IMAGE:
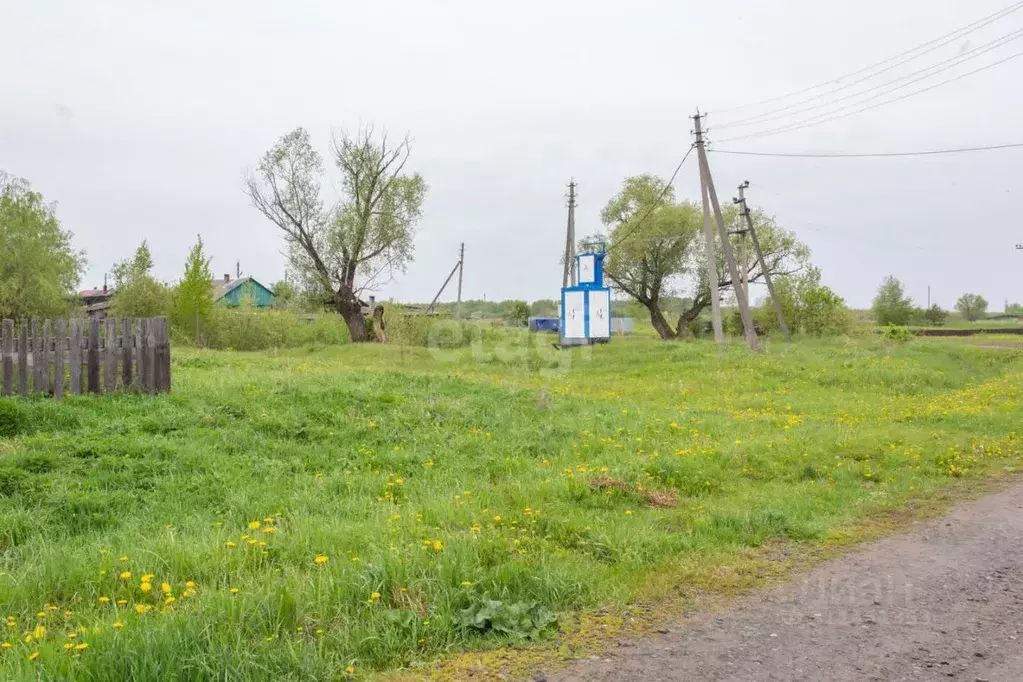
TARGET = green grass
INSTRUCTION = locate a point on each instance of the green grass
(434, 481)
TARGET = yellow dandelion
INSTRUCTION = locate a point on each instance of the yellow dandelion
(319, 631)
(69, 646)
(118, 625)
(124, 558)
(350, 670)
(234, 591)
(375, 596)
(189, 592)
(165, 588)
(466, 583)
(190, 584)
(229, 545)
(33, 656)
(148, 577)
(122, 602)
(28, 639)
(169, 600)
(321, 559)
(253, 525)
(41, 614)
(142, 608)
(126, 575)
(5, 645)
(81, 647)
(104, 600)
(72, 635)
(146, 587)
(437, 546)
(39, 632)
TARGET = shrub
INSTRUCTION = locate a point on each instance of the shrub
(249, 329)
(896, 334)
(13, 419)
(935, 316)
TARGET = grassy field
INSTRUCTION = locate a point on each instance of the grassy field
(322, 514)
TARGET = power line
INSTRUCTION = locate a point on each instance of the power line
(935, 69)
(948, 37)
(874, 155)
(827, 118)
(657, 202)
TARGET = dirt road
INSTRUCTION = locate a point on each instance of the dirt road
(944, 602)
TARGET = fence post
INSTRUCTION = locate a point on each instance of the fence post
(7, 358)
(23, 359)
(127, 344)
(110, 356)
(76, 356)
(92, 356)
(166, 356)
(60, 340)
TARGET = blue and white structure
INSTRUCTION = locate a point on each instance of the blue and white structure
(586, 306)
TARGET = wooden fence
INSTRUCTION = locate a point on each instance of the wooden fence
(77, 355)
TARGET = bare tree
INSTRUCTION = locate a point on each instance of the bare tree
(360, 242)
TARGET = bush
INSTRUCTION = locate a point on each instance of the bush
(896, 334)
(249, 329)
(935, 316)
(809, 307)
(429, 331)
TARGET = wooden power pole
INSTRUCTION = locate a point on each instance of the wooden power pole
(763, 264)
(568, 277)
(461, 267)
(708, 236)
(726, 245)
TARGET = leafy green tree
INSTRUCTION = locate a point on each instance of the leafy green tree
(891, 305)
(136, 292)
(193, 307)
(809, 306)
(39, 269)
(518, 312)
(972, 306)
(656, 247)
(935, 315)
(285, 294)
(1014, 309)
(338, 253)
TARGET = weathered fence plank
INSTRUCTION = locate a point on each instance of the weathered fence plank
(35, 346)
(7, 358)
(127, 344)
(110, 356)
(92, 356)
(76, 356)
(165, 325)
(45, 356)
(23, 359)
(59, 343)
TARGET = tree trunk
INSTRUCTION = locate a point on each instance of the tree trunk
(659, 322)
(353, 317)
(687, 317)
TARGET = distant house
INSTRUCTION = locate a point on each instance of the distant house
(96, 301)
(233, 292)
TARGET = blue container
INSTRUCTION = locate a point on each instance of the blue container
(544, 324)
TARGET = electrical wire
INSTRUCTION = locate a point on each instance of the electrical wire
(828, 155)
(827, 118)
(948, 37)
(657, 202)
(935, 70)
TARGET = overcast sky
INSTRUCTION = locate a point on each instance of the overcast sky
(140, 118)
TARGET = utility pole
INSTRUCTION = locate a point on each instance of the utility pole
(726, 245)
(763, 264)
(461, 266)
(568, 277)
(708, 236)
(458, 268)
